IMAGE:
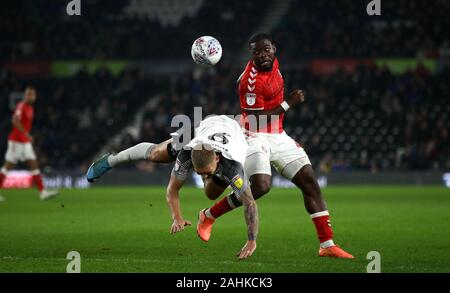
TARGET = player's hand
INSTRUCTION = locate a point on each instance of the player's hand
(247, 250)
(29, 137)
(296, 97)
(179, 225)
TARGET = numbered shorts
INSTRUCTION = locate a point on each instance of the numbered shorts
(19, 152)
(278, 150)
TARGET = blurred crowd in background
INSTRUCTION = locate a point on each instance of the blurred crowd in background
(368, 119)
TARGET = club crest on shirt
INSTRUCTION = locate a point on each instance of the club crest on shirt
(250, 98)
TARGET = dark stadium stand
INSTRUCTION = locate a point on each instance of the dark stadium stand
(76, 116)
(370, 119)
(110, 31)
(405, 28)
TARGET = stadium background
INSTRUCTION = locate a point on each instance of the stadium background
(377, 87)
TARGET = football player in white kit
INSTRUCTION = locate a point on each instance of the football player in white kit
(217, 153)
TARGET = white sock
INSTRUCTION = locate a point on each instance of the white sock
(135, 153)
(326, 244)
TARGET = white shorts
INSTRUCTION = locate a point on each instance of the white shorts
(279, 149)
(19, 152)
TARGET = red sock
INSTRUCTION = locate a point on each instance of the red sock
(38, 181)
(323, 227)
(221, 207)
(2, 178)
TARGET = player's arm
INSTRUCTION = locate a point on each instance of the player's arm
(173, 200)
(252, 220)
(18, 124)
(241, 188)
(179, 174)
(294, 98)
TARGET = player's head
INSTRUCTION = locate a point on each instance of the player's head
(29, 95)
(263, 51)
(204, 160)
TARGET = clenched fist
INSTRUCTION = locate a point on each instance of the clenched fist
(296, 97)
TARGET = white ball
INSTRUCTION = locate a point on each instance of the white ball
(206, 50)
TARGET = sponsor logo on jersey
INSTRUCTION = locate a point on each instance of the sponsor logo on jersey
(250, 98)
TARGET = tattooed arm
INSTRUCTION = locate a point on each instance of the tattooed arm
(252, 220)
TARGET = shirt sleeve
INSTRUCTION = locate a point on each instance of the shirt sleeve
(235, 176)
(183, 165)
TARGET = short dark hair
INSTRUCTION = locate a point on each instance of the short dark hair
(258, 37)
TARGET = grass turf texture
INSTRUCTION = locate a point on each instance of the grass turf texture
(126, 230)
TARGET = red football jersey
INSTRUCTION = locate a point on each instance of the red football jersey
(25, 113)
(262, 90)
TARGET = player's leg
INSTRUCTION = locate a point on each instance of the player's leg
(293, 164)
(44, 194)
(257, 166)
(214, 187)
(3, 173)
(157, 153)
(317, 208)
(12, 156)
(28, 155)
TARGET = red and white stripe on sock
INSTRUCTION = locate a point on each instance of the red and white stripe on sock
(37, 179)
(323, 227)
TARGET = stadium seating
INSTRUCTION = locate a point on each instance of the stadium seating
(370, 119)
(76, 116)
(405, 28)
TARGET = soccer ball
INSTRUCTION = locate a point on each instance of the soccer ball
(206, 51)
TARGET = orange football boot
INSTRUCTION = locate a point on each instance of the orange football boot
(334, 251)
(204, 226)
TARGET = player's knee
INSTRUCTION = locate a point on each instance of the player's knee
(212, 195)
(213, 189)
(260, 187)
(306, 180)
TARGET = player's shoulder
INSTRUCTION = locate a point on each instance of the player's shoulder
(251, 80)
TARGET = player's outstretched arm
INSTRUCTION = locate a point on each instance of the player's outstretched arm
(173, 200)
(252, 220)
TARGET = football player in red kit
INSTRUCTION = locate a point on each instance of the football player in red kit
(261, 91)
(20, 143)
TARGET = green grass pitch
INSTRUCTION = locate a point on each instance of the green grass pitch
(126, 229)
